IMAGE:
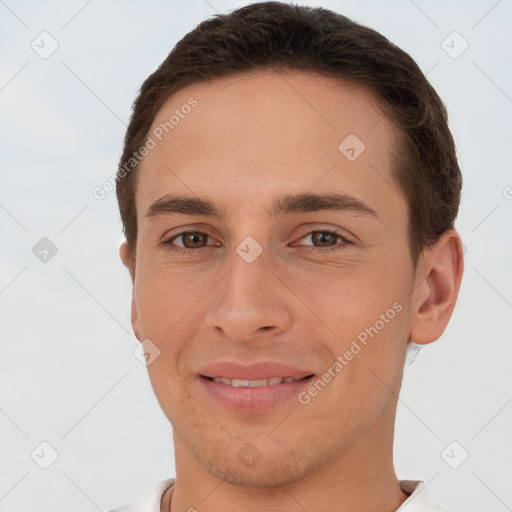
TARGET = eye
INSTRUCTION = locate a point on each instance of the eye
(190, 241)
(327, 237)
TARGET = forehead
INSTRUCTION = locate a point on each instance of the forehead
(253, 133)
(301, 104)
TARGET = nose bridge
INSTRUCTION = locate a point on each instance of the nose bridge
(249, 276)
(249, 297)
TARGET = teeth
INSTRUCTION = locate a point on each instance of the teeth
(243, 383)
(239, 383)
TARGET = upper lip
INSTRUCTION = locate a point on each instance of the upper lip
(255, 371)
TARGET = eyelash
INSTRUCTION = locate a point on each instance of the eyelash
(313, 250)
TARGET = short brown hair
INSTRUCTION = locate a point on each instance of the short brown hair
(287, 36)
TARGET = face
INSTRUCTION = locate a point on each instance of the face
(266, 271)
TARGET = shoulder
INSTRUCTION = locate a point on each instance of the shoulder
(150, 502)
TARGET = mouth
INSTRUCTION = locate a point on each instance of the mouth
(257, 383)
(254, 396)
(255, 387)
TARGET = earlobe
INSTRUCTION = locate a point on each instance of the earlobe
(435, 296)
(124, 254)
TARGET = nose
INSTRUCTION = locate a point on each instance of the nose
(250, 300)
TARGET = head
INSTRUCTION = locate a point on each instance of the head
(288, 190)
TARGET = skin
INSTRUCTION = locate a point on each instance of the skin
(252, 137)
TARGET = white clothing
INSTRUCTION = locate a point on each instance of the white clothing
(417, 501)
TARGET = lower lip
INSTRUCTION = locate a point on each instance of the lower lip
(253, 399)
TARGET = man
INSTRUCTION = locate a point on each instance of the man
(288, 190)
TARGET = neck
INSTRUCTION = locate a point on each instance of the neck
(361, 478)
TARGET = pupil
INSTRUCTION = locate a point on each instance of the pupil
(320, 236)
(192, 237)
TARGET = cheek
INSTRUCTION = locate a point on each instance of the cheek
(168, 304)
(164, 297)
(352, 302)
(368, 319)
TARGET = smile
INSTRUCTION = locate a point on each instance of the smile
(244, 383)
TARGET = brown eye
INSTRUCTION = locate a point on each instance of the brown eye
(193, 239)
(325, 241)
(324, 238)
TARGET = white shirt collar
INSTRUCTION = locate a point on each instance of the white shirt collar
(416, 502)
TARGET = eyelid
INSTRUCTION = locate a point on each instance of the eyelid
(195, 228)
(204, 228)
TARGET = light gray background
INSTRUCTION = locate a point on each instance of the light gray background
(68, 373)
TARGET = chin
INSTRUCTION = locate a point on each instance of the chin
(263, 470)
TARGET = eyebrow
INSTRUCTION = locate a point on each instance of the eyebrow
(285, 204)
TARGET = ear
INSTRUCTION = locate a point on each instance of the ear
(437, 285)
(126, 258)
